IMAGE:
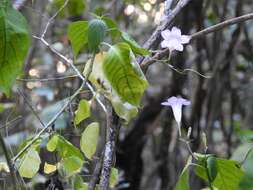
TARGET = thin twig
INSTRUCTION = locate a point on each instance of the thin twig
(222, 25)
(31, 108)
(46, 79)
(10, 122)
(53, 17)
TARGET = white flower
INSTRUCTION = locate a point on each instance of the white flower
(174, 40)
(176, 104)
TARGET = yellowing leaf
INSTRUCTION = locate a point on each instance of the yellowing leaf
(49, 168)
(82, 112)
(29, 164)
(89, 139)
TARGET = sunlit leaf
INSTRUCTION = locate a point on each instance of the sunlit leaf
(82, 112)
(124, 74)
(52, 143)
(89, 139)
(29, 164)
(77, 34)
(49, 168)
(14, 45)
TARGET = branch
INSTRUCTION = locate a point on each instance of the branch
(113, 130)
(146, 63)
(222, 25)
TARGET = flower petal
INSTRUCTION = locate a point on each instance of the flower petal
(172, 100)
(177, 111)
(166, 34)
(165, 44)
(165, 104)
(179, 47)
(185, 39)
(176, 31)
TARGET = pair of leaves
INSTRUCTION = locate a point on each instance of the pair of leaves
(14, 45)
(71, 157)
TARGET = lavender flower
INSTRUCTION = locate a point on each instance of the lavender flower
(176, 104)
(174, 40)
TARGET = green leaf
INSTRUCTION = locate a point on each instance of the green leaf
(124, 74)
(228, 176)
(71, 165)
(136, 48)
(63, 147)
(29, 164)
(82, 112)
(183, 181)
(77, 34)
(14, 45)
(96, 33)
(114, 177)
(74, 7)
(89, 139)
(52, 143)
